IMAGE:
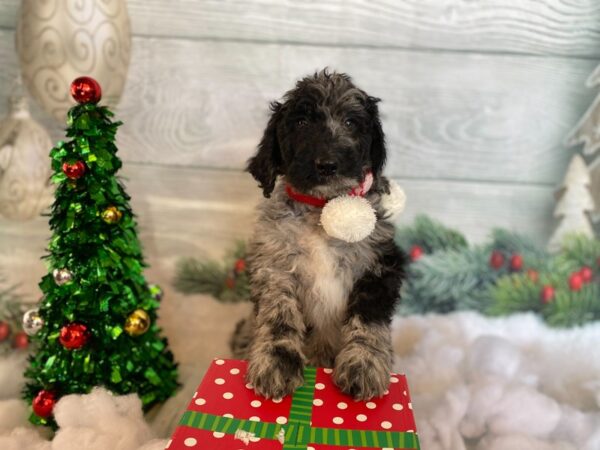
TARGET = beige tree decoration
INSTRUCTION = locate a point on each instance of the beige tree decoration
(574, 204)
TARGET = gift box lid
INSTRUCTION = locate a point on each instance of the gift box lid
(226, 414)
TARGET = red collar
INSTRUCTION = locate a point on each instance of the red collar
(361, 190)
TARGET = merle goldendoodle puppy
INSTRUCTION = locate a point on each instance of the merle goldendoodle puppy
(319, 300)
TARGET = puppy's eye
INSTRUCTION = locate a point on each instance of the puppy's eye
(301, 122)
(349, 123)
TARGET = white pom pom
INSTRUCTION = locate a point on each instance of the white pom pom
(348, 218)
(394, 202)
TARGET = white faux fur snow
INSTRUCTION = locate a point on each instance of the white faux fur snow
(97, 421)
(476, 383)
(511, 383)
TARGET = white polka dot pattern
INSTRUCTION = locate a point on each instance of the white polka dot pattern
(342, 405)
(234, 371)
(371, 405)
(318, 402)
(338, 420)
(385, 424)
(281, 420)
(319, 386)
(219, 362)
(361, 418)
(219, 381)
(227, 395)
(200, 401)
(190, 442)
(218, 434)
(255, 403)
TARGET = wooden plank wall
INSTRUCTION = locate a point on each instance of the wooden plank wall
(477, 100)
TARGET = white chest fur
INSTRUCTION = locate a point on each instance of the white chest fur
(328, 284)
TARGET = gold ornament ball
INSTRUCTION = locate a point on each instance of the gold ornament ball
(137, 323)
(111, 215)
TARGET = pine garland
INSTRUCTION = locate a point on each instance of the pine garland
(430, 235)
(226, 281)
(10, 317)
(506, 275)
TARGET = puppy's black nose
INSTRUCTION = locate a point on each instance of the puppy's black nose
(326, 168)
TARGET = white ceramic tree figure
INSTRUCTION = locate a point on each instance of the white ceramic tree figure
(574, 205)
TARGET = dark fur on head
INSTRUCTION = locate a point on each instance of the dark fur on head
(327, 120)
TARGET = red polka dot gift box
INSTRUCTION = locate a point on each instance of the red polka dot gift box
(226, 414)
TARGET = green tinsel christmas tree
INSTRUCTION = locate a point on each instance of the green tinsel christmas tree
(96, 324)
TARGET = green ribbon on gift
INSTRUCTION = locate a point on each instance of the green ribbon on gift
(297, 433)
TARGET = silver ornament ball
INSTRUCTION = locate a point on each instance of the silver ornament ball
(62, 276)
(32, 322)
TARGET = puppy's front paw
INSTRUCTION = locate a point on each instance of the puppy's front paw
(276, 374)
(361, 374)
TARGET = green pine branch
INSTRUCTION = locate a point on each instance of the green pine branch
(223, 280)
(430, 235)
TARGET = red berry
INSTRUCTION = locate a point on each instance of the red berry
(230, 282)
(20, 340)
(43, 403)
(75, 170)
(416, 252)
(516, 262)
(547, 294)
(86, 90)
(240, 265)
(496, 259)
(533, 275)
(575, 281)
(74, 336)
(4, 331)
(586, 274)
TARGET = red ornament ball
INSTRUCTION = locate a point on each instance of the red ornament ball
(516, 262)
(416, 252)
(74, 171)
(43, 403)
(587, 274)
(496, 259)
(533, 275)
(547, 294)
(240, 265)
(20, 340)
(86, 90)
(575, 281)
(4, 331)
(74, 336)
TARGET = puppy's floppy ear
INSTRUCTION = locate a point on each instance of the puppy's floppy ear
(266, 164)
(378, 151)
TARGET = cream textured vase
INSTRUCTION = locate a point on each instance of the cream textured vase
(59, 40)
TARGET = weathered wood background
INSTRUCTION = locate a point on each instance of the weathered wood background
(477, 100)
